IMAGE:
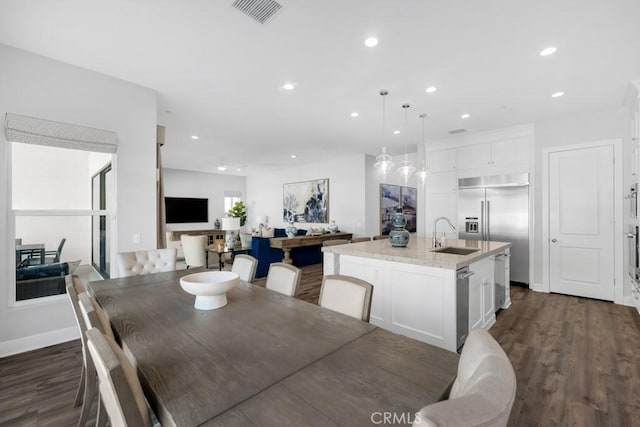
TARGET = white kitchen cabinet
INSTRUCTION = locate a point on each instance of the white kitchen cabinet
(481, 294)
(442, 182)
(508, 155)
(441, 160)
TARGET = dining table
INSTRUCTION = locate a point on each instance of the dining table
(31, 250)
(267, 359)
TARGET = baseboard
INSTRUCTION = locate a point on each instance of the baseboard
(538, 287)
(34, 342)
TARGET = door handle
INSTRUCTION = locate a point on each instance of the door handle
(630, 236)
(466, 274)
(554, 240)
(482, 220)
(488, 220)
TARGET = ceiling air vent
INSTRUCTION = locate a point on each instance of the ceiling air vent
(457, 131)
(260, 10)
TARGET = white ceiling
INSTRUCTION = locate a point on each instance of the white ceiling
(219, 72)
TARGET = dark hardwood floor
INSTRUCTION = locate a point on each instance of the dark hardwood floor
(577, 363)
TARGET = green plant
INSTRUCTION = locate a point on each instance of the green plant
(238, 211)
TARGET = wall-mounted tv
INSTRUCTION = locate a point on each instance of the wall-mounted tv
(185, 209)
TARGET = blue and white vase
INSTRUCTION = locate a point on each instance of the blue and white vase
(291, 230)
(398, 236)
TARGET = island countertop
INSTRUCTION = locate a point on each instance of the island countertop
(419, 251)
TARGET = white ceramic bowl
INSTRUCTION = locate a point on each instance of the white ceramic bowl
(210, 287)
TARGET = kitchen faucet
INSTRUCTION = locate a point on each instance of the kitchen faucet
(435, 242)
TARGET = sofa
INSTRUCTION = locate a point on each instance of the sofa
(265, 254)
(41, 280)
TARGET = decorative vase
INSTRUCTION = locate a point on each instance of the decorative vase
(291, 230)
(216, 224)
(230, 238)
(398, 236)
(333, 227)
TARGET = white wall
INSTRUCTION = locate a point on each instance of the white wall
(597, 126)
(212, 186)
(35, 86)
(347, 199)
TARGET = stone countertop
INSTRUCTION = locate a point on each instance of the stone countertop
(418, 251)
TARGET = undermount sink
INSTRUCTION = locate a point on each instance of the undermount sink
(455, 251)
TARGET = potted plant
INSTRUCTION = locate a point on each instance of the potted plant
(238, 210)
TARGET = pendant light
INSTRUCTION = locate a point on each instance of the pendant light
(406, 168)
(422, 172)
(383, 162)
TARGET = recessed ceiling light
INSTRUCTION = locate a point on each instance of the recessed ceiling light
(238, 169)
(355, 114)
(288, 86)
(222, 168)
(557, 95)
(431, 89)
(396, 132)
(194, 136)
(293, 156)
(371, 42)
(465, 116)
(548, 51)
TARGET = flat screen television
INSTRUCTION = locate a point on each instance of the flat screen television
(186, 209)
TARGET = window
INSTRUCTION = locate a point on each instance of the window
(54, 215)
(230, 199)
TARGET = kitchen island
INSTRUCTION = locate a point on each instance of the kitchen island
(424, 294)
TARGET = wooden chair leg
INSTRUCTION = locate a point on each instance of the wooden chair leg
(78, 400)
(90, 384)
(101, 417)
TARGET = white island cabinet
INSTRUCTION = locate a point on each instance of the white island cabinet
(415, 292)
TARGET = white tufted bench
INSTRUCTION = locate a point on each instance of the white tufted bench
(144, 262)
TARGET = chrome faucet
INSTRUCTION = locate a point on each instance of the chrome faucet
(435, 242)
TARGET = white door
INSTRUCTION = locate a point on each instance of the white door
(581, 222)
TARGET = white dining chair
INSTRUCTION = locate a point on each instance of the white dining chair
(120, 390)
(145, 262)
(283, 278)
(194, 250)
(347, 295)
(87, 385)
(483, 392)
(245, 266)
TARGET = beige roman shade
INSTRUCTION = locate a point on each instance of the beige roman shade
(31, 130)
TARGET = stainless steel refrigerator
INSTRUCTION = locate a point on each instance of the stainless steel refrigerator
(497, 208)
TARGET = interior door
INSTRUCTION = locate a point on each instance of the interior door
(581, 222)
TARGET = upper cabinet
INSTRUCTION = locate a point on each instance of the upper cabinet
(441, 160)
(502, 154)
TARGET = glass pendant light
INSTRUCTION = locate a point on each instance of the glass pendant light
(422, 172)
(383, 162)
(406, 168)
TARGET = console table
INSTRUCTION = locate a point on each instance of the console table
(288, 243)
(212, 235)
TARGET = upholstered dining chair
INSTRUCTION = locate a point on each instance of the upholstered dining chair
(283, 278)
(194, 250)
(87, 385)
(483, 392)
(120, 390)
(145, 262)
(360, 239)
(245, 266)
(379, 237)
(335, 242)
(54, 256)
(347, 295)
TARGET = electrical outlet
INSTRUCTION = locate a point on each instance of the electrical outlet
(136, 239)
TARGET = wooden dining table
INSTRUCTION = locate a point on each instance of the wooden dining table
(266, 359)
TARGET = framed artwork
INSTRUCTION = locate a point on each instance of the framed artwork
(306, 201)
(409, 197)
(389, 201)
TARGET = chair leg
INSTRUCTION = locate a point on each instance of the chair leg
(101, 417)
(90, 385)
(78, 400)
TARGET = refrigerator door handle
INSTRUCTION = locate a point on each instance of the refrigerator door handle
(482, 219)
(488, 220)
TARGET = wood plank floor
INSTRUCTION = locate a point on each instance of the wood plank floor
(577, 363)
